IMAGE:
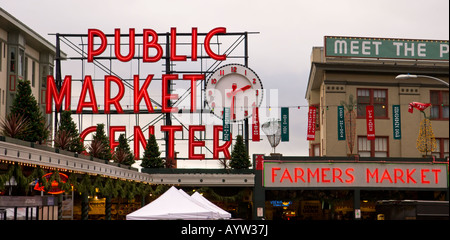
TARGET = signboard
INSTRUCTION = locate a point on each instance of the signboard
(396, 122)
(285, 124)
(361, 47)
(311, 135)
(370, 121)
(341, 123)
(226, 124)
(355, 175)
(149, 50)
(255, 125)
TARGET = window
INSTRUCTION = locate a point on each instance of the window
(375, 97)
(375, 148)
(439, 102)
(441, 148)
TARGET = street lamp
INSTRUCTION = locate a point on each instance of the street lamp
(407, 76)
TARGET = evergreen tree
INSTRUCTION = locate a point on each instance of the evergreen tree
(26, 105)
(100, 136)
(152, 154)
(67, 124)
(123, 153)
(239, 155)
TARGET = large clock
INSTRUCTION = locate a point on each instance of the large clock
(234, 86)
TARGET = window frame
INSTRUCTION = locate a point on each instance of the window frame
(372, 102)
(439, 105)
(372, 145)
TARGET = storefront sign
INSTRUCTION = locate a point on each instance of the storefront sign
(358, 47)
(370, 121)
(397, 124)
(311, 124)
(341, 123)
(355, 175)
(285, 124)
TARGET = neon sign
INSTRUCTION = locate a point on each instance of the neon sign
(401, 175)
(54, 188)
(140, 93)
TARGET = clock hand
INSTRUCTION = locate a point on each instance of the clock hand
(239, 90)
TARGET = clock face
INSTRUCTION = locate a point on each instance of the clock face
(234, 86)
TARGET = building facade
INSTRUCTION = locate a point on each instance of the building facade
(24, 55)
(365, 69)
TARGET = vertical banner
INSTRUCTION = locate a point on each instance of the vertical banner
(285, 124)
(226, 124)
(370, 120)
(255, 125)
(396, 122)
(341, 123)
(311, 135)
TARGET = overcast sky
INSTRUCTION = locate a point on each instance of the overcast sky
(280, 54)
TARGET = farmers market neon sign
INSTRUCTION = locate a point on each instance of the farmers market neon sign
(140, 93)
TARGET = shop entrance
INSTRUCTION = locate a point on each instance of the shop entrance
(334, 204)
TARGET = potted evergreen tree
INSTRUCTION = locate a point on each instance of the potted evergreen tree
(152, 154)
(26, 105)
(239, 155)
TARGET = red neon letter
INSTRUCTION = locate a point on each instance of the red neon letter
(86, 131)
(409, 175)
(166, 97)
(398, 176)
(153, 44)
(193, 79)
(103, 43)
(139, 138)
(337, 173)
(53, 92)
(87, 86)
(193, 143)
(170, 155)
(208, 47)
(286, 175)
(349, 174)
(112, 131)
(324, 175)
(311, 174)
(173, 46)
(386, 175)
(274, 174)
(223, 148)
(371, 175)
(436, 174)
(116, 99)
(142, 93)
(299, 176)
(422, 173)
(194, 45)
(117, 45)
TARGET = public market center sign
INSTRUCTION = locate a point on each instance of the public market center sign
(361, 47)
(356, 175)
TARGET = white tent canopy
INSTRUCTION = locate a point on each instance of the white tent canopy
(174, 205)
(222, 213)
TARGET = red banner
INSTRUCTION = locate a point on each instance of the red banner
(255, 125)
(311, 124)
(418, 105)
(370, 120)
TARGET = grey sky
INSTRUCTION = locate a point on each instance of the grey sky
(280, 54)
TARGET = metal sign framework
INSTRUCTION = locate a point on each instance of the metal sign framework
(236, 50)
